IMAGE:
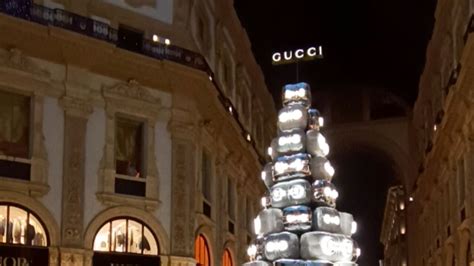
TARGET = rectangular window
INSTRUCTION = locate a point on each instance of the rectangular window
(230, 199)
(206, 176)
(15, 136)
(14, 125)
(461, 182)
(130, 39)
(129, 159)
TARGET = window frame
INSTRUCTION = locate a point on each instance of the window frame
(131, 100)
(127, 219)
(36, 184)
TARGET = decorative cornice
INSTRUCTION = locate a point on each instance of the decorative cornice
(76, 106)
(15, 59)
(131, 89)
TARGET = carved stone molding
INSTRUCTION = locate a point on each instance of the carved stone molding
(75, 106)
(72, 257)
(181, 261)
(73, 180)
(15, 59)
(141, 3)
(131, 90)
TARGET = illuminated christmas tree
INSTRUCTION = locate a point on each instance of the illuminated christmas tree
(299, 224)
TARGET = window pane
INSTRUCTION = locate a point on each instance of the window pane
(206, 176)
(3, 224)
(102, 239)
(134, 237)
(39, 235)
(230, 199)
(128, 147)
(18, 224)
(148, 243)
(14, 124)
(119, 235)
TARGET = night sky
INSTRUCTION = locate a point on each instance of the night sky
(367, 44)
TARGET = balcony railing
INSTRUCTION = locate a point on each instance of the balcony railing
(27, 10)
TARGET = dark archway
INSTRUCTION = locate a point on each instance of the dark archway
(363, 176)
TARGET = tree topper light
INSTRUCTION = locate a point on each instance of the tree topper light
(288, 57)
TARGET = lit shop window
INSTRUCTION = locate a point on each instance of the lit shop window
(127, 236)
(129, 163)
(14, 125)
(227, 258)
(201, 252)
(21, 227)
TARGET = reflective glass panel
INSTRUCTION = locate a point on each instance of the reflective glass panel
(102, 239)
(150, 247)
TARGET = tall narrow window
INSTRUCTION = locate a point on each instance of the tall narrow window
(14, 124)
(461, 182)
(227, 258)
(14, 136)
(129, 159)
(231, 205)
(206, 182)
(201, 251)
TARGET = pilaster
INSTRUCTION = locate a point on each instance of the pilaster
(75, 123)
(184, 183)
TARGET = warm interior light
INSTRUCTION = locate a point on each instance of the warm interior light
(167, 41)
(156, 38)
(270, 151)
(410, 199)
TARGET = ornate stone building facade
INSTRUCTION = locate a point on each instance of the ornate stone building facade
(393, 233)
(131, 132)
(440, 225)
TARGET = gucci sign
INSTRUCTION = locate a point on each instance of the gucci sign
(288, 57)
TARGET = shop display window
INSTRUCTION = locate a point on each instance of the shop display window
(21, 227)
(201, 251)
(126, 235)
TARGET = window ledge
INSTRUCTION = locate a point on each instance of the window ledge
(113, 199)
(28, 187)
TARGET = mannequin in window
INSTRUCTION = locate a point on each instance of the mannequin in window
(18, 232)
(30, 234)
(120, 241)
(132, 169)
(144, 244)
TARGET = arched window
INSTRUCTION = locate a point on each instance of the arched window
(227, 258)
(20, 226)
(201, 251)
(126, 235)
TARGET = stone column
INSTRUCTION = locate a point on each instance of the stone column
(183, 187)
(72, 227)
